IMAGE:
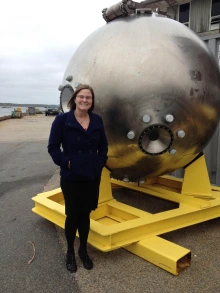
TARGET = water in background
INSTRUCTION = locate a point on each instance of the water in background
(7, 111)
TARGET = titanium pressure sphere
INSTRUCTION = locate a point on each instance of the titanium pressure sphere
(157, 88)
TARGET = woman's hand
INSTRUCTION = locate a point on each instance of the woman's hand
(69, 164)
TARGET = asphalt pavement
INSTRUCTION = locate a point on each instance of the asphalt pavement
(26, 170)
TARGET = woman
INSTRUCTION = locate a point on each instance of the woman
(84, 153)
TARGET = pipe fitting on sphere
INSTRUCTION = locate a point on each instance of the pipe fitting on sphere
(69, 78)
(60, 87)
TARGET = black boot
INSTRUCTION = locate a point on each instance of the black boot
(71, 262)
(87, 262)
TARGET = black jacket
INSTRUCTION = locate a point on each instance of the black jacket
(85, 149)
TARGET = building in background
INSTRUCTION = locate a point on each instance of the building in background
(202, 16)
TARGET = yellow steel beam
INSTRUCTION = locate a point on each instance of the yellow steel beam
(48, 206)
(196, 179)
(105, 190)
(162, 253)
(164, 193)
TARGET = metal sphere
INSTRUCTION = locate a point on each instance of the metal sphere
(148, 65)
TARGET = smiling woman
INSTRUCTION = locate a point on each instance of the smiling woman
(82, 97)
(82, 136)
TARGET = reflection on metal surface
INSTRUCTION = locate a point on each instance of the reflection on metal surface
(182, 81)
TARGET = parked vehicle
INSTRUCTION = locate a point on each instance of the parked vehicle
(31, 110)
(52, 111)
(17, 113)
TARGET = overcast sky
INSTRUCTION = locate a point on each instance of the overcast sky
(37, 41)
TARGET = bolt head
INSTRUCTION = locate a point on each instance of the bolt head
(181, 133)
(172, 152)
(131, 134)
(146, 118)
(169, 118)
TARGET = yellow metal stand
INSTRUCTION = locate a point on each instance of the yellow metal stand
(115, 225)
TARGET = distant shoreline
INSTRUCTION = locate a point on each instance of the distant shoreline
(3, 118)
(26, 105)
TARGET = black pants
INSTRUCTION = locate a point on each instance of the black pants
(78, 205)
(80, 221)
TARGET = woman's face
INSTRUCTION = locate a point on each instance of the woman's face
(83, 100)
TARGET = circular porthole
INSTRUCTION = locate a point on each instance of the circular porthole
(65, 95)
(156, 140)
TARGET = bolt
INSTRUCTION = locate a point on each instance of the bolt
(126, 179)
(181, 133)
(172, 152)
(169, 118)
(69, 78)
(60, 87)
(146, 118)
(131, 134)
